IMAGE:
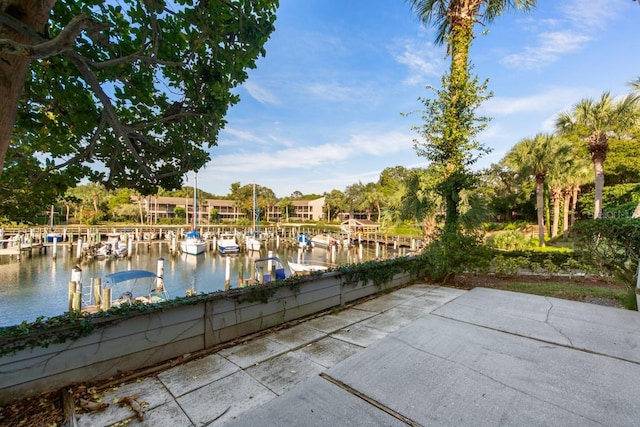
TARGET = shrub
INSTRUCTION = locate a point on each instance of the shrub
(509, 240)
(612, 245)
(455, 253)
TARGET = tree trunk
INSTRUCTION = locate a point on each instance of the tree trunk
(461, 38)
(565, 216)
(540, 208)
(574, 203)
(598, 167)
(13, 69)
(556, 192)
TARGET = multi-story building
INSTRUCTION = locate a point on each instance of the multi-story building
(158, 207)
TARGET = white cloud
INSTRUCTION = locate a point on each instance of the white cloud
(592, 14)
(421, 58)
(550, 47)
(303, 157)
(553, 99)
(581, 22)
(261, 94)
(334, 92)
(241, 134)
(380, 144)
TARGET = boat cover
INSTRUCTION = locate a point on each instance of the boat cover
(193, 234)
(123, 276)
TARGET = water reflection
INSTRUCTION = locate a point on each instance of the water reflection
(38, 286)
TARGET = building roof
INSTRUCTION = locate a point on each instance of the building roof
(354, 224)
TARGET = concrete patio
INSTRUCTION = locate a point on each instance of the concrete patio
(421, 355)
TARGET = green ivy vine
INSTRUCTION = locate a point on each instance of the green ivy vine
(380, 272)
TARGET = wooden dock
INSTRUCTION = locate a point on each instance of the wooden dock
(11, 247)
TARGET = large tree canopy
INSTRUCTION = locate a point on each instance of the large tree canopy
(129, 93)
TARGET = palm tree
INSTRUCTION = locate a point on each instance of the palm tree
(420, 201)
(556, 198)
(537, 157)
(457, 126)
(454, 20)
(577, 175)
(372, 196)
(595, 121)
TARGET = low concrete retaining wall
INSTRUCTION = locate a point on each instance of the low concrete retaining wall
(145, 339)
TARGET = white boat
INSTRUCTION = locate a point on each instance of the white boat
(52, 235)
(304, 240)
(266, 270)
(300, 267)
(252, 241)
(323, 241)
(193, 244)
(114, 247)
(128, 286)
(227, 244)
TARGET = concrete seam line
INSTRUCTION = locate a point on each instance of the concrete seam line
(370, 400)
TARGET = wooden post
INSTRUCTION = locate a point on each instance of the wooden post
(76, 293)
(72, 291)
(241, 275)
(106, 299)
(160, 274)
(55, 247)
(79, 250)
(129, 247)
(97, 291)
(227, 273)
(77, 301)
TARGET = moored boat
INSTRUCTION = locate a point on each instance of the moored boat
(252, 241)
(266, 270)
(193, 244)
(114, 247)
(130, 286)
(299, 267)
(323, 241)
(227, 244)
(304, 240)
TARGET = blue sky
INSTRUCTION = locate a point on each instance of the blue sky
(323, 110)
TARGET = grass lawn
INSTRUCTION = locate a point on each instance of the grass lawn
(596, 291)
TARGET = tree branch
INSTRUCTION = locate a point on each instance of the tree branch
(83, 155)
(119, 128)
(47, 48)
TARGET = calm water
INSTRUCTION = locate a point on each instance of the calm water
(38, 286)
